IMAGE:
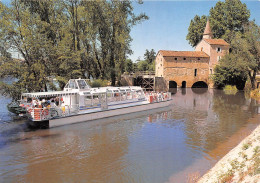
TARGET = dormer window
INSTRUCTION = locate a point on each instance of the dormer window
(218, 49)
(201, 49)
(175, 59)
(198, 58)
(184, 58)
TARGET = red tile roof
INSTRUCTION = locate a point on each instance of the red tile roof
(166, 53)
(217, 41)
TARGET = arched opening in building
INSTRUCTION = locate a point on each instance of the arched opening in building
(200, 84)
(172, 87)
(172, 84)
(183, 84)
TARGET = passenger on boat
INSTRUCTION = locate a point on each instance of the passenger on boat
(52, 103)
(63, 108)
(34, 102)
(57, 101)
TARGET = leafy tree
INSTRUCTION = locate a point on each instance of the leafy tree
(129, 65)
(243, 61)
(149, 56)
(229, 73)
(196, 28)
(149, 63)
(226, 18)
(142, 65)
(64, 39)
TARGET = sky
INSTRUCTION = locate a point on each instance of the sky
(168, 24)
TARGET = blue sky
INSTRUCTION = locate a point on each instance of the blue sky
(168, 24)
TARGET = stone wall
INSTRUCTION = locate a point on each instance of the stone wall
(127, 80)
(160, 85)
(184, 70)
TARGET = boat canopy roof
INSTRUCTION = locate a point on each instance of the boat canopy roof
(49, 94)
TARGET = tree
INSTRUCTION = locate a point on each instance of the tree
(64, 39)
(149, 63)
(243, 61)
(149, 56)
(196, 28)
(226, 18)
(129, 66)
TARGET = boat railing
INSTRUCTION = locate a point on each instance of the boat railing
(124, 96)
(41, 114)
(157, 97)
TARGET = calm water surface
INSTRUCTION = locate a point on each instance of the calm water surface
(164, 145)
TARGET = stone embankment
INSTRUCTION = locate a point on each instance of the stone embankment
(241, 164)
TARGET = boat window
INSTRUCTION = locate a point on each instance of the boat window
(95, 101)
(88, 101)
(82, 84)
(72, 84)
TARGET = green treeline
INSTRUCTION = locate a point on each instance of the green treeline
(229, 20)
(64, 39)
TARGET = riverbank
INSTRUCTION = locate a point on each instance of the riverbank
(241, 164)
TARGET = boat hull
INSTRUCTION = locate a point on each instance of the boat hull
(106, 113)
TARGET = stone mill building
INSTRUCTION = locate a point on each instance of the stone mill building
(190, 68)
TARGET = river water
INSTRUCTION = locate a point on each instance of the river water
(171, 144)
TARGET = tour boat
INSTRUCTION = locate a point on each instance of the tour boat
(78, 102)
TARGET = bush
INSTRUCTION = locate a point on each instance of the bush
(255, 94)
(99, 83)
(230, 90)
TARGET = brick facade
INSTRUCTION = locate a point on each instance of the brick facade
(191, 66)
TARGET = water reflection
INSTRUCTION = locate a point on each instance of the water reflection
(154, 146)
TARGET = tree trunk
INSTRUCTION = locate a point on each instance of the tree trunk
(252, 78)
(112, 58)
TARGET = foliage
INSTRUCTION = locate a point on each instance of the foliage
(99, 83)
(65, 39)
(149, 63)
(195, 30)
(149, 56)
(255, 94)
(243, 61)
(226, 18)
(228, 72)
(129, 66)
(230, 90)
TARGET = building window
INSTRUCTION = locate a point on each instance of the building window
(195, 72)
(201, 49)
(219, 57)
(175, 59)
(184, 58)
(210, 71)
(218, 49)
(198, 58)
(161, 64)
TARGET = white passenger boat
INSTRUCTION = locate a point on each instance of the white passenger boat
(78, 102)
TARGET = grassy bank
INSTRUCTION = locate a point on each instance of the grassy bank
(241, 164)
